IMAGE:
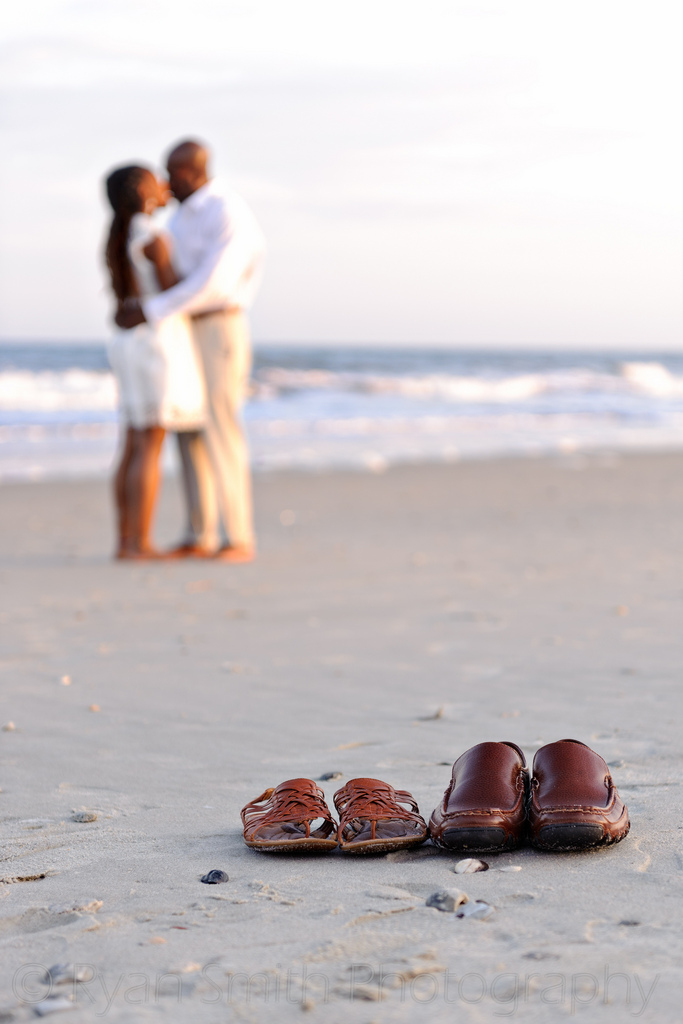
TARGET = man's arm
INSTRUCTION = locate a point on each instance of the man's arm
(234, 242)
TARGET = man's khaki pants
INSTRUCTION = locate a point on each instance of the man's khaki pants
(215, 461)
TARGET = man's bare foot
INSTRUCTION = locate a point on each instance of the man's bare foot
(235, 553)
(138, 555)
(189, 551)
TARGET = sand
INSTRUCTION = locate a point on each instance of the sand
(529, 600)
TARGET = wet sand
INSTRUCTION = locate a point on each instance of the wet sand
(521, 600)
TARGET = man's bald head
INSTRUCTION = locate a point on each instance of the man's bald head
(187, 168)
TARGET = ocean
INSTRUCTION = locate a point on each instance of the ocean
(323, 407)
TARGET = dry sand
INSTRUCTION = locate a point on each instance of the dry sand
(531, 600)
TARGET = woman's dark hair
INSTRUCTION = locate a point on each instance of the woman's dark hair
(122, 192)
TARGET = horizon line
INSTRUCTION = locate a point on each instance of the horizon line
(469, 346)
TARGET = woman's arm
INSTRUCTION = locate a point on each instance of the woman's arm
(157, 253)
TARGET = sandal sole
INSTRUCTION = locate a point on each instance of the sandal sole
(294, 846)
(381, 845)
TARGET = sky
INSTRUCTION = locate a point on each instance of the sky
(470, 172)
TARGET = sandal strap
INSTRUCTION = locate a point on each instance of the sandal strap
(373, 800)
(296, 801)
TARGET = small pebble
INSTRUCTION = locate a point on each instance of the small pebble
(469, 866)
(157, 940)
(10, 727)
(84, 816)
(215, 877)
(478, 909)
(65, 680)
(329, 776)
(94, 707)
(511, 867)
(447, 900)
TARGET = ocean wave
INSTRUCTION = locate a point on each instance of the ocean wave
(79, 390)
(51, 391)
(652, 379)
(629, 378)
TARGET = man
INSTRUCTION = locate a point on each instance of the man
(218, 252)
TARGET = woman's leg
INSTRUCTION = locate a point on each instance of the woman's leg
(143, 484)
(123, 519)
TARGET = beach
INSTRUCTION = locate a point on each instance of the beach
(391, 621)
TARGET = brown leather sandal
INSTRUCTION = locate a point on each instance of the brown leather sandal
(280, 819)
(371, 820)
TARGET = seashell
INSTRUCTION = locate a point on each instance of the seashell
(75, 907)
(478, 909)
(191, 967)
(439, 713)
(511, 867)
(94, 707)
(62, 974)
(215, 877)
(329, 776)
(65, 680)
(84, 816)
(469, 865)
(53, 1004)
(9, 727)
(447, 900)
(369, 993)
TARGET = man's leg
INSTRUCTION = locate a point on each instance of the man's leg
(225, 347)
(200, 491)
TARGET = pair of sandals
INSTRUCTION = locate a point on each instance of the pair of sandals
(371, 818)
(493, 803)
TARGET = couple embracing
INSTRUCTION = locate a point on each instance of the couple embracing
(183, 357)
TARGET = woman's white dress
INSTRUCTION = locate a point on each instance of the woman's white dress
(157, 367)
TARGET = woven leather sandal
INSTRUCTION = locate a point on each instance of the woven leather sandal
(371, 820)
(279, 821)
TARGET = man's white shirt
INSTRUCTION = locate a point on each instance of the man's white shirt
(218, 250)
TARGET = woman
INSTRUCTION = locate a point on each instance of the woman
(157, 370)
